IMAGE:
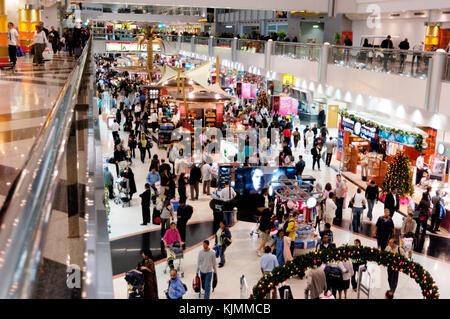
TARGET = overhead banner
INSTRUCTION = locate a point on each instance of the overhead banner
(403, 139)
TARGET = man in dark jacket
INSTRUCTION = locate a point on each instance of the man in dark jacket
(119, 156)
(300, 166)
(194, 180)
(386, 44)
(404, 45)
(145, 203)
(184, 213)
(315, 151)
(392, 202)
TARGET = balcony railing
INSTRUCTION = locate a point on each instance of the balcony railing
(402, 62)
(252, 46)
(201, 40)
(303, 51)
(223, 42)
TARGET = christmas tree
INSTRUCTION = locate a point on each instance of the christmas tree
(399, 176)
(262, 100)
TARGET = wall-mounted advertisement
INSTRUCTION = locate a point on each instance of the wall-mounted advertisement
(364, 131)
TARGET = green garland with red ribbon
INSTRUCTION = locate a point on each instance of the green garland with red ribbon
(298, 266)
(419, 138)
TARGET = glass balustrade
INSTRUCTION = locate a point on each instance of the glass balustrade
(402, 62)
(303, 51)
(251, 46)
(446, 73)
(223, 42)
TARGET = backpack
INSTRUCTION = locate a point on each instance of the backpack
(196, 283)
(333, 273)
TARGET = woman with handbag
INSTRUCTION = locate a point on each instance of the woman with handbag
(166, 215)
(39, 43)
(358, 204)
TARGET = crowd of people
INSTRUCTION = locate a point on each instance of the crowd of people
(73, 40)
(168, 178)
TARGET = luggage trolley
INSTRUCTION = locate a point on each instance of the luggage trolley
(361, 287)
(174, 253)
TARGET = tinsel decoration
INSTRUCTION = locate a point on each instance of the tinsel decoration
(399, 176)
(419, 138)
(299, 265)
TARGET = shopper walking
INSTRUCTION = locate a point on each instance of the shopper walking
(222, 237)
(356, 243)
(372, 194)
(39, 41)
(404, 45)
(387, 45)
(194, 180)
(329, 146)
(176, 289)
(268, 261)
(13, 41)
(384, 229)
(206, 266)
(392, 202)
(424, 212)
(315, 151)
(347, 274)
(145, 204)
(340, 192)
(184, 213)
(182, 182)
(436, 215)
(330, 208)
(167, 215)
(299, 166)
(393, 247)
(147, 266)
(359, 203)
(296, 136)
(206, 178)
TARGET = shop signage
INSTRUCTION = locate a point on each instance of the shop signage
(348, 125)
(368, 132)
(356, 128)
(403, 139)
(288, 79)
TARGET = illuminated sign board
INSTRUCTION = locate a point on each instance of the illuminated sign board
(129, 47)
(364, 131)
(403, 139)
(288, 79)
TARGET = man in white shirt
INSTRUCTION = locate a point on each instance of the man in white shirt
(268, 261)
(206, 177)
(206, 266)
(228, 192)
(115, 127)
(420, 168)
(154, 120)
(13, 41)
(418, 49)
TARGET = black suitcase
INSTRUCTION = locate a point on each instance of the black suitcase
(156, 217)
(285, 292)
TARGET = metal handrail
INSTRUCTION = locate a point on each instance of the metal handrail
(26, 210)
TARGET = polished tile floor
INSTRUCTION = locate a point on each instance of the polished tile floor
(27, 96)
(128, 237)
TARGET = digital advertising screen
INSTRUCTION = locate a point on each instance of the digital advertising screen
(252, 180)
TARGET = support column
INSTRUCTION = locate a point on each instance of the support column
(4, 56)
(234, 49)
(28, 19)
(323, 63)
(434, 81)
(211, 46)
(268, 55)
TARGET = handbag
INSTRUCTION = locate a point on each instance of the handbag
(19, 52)
(350, 204)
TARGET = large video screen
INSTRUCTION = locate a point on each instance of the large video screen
(252, 180)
